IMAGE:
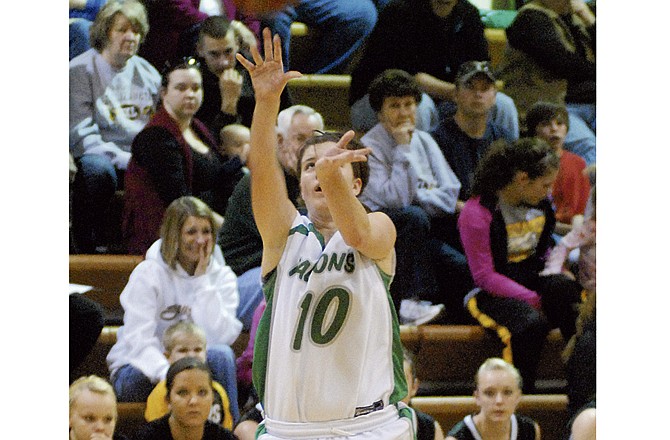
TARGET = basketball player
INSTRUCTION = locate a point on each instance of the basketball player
(328, 361)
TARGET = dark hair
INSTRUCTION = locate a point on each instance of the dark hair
(392, 83)
(214, 26)
(183, 63)
(361, 169)
(187, 363)
(503, 160)
(543, 112)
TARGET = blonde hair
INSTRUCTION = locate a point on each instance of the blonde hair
(94, 384)
(133, 10)
(494, 363)
(173, 220)
(186, 327)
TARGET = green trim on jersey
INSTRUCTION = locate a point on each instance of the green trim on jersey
(304, 230)
(400, 382)
(408, 413)
(261, 344)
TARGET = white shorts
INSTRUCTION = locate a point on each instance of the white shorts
(387, 424)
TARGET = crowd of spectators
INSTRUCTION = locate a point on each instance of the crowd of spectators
(488, 173)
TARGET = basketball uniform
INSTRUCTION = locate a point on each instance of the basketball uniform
(328, 357)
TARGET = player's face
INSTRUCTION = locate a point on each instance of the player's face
(552, 131)
(187, 345)
(301, 128)
(196, 232)
(219, 53)
(309, 184)
(183, 95)
(476, 97)
(398, 110)
(123, 40)
(497, 395)
(92, 413)
(190, 398)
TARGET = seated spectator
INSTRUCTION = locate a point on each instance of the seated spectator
(570, 192)
(506, 229)
(174, 155)
(582, 238)
(239, 238)
(251, 416)
(189, 394)
(413, 184)
(175, 24)
(339, 27)
(229, 97)
(234, 141)
(550, 56)
(82, 14)
(183, 277)
(427, 428)
(86, 322)
(429, 39)
(497, 394)
(465, 136)
(185, 339)
(113, 94)
(93, 413)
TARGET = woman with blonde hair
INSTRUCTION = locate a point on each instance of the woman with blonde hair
(497, 394)
(183, 278)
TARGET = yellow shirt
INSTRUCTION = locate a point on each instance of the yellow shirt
(220, 414)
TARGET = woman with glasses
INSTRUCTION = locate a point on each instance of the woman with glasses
(113, 93)
(183, 278)
(506, 229)
(174, 155)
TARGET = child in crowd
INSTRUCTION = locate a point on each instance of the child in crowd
(93, 412)
(570, 192)
(427, 428)
(235, 142)
(582, 237)
(185, 339)
(497, 394)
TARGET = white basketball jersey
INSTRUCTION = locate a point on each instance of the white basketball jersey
(328, 346)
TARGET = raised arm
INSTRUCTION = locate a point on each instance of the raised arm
(372, 234)
(273, 210)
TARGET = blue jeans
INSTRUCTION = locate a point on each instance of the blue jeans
(93, 188)
(581, 139)
(414, 276)
(251, 293)
(342, 26)
(79, 40)
(504, 114)
(131, 385)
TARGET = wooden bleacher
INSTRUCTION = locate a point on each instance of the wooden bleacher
(447, 357)
(108, 274)
(549, 411)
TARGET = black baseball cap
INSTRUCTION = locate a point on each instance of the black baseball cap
(469, 69)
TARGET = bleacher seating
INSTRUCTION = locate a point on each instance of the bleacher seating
(447, 357)
(548, 410)
(108, 274)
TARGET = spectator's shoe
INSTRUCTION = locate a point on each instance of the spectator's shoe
(415, 312)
